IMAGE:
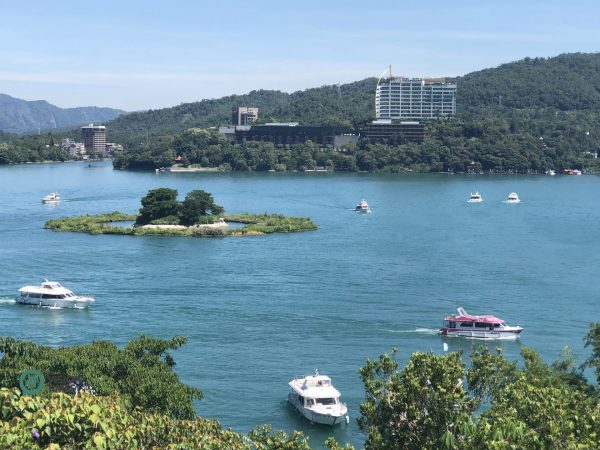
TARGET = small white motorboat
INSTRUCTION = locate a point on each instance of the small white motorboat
(475, 198)
(317, 400)
(362, 206)
(478, 327)
(53, 197)
(52, 295)
(513, 198)
(550, 172)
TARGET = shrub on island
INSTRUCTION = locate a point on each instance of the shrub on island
(160, 206)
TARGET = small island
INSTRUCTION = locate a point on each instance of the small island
(198, 215)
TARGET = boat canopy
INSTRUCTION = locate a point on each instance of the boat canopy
(314, 386)
(463, 316)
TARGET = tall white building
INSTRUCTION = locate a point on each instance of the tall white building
(414, 98)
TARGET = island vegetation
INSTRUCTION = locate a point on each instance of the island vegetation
(100, 396)
(524, 116)
(197, 215)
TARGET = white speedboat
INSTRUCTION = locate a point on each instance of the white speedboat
(513, 198)
(317, 400)
(475, 198)
(53, 197)
(363, 206)
(51, 294)
(550, 172)
(478, 327)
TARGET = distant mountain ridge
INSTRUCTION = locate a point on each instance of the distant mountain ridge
(22, 116)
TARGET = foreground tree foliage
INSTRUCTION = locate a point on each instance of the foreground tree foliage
(58, 420)
(425, 405)
(141, 372)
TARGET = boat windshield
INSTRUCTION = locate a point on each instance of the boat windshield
(326, 401)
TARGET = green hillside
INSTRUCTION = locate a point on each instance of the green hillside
(352, 103)
(566, 82)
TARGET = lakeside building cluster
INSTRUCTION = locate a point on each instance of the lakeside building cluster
(401, 103)
(93, 139)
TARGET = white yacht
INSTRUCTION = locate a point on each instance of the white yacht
(317, 400)
(513, 198)
(363, 206)
(53, 197)
(475, 198)
(52, 294)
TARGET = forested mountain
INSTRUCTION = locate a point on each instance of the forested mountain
(22, 116)
(566, 82)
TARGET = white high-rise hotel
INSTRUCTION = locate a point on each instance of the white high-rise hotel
(414, 98)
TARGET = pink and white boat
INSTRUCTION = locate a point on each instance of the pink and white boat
(478, 327)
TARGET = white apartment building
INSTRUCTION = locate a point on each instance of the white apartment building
(414, 98)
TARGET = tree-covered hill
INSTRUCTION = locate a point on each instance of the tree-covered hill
(566, 82)
(351, 103)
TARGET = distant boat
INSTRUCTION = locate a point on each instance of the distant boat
(475, 198)
(363, 206)
(513, 198)
(317, 400)
(53, 197)
(550, 172)
(478, 327)
(572, 172)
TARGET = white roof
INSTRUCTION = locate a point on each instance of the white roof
(46, 288)
(314, 386)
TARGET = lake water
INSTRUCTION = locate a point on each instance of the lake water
(259, 310)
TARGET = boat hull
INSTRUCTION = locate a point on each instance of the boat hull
(481, 334)
(331, 419)
(79, 303)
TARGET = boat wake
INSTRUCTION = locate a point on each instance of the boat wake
(428, 331)
(7, 300)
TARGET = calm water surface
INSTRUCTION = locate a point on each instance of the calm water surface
(258, 311)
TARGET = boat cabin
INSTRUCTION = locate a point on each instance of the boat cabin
(471, 324)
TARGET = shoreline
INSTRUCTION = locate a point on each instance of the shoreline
(218, 225)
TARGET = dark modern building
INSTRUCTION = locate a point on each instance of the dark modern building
(290, 133)
(382, 130)
(94, 137)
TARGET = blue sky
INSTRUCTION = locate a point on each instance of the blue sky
(150, 54)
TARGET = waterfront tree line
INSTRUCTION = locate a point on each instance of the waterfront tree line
(100, 396)
(522, 142)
